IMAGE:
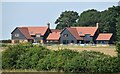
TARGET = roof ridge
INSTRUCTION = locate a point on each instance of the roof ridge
(83, 26)
(31, 26)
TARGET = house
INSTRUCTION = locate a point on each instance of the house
(54, 37)
(37, 34)
(79, 35)
(105, 38)
(68, 35)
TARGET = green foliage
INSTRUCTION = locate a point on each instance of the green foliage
(5, 41)
(118, 52)
(118, 47)
(22, 56)
(118, 29)
(108, 20)
(106, 64)
(88, 18)
(3, 45)
(66, 19)
(36, 57)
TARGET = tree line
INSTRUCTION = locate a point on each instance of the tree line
(109, 20)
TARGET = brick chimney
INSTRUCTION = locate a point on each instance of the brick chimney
(97, 24)
(48, 24)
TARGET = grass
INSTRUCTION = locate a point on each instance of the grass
(2, 48)
(108, 50)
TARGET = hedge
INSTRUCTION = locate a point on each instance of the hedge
(36, 57)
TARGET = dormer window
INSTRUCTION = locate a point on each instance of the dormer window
(38, 35)
(80, 32)
(65, 35)
(16, 35)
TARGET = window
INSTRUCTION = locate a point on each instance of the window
(80, 32)
(38, 35)
(65, 35)
(16, 35)
(72, 41)
(65, 41)
(87, 35)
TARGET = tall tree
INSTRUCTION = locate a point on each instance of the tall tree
(118, 29)
(66, 19)
(88, 18)
(108, 20)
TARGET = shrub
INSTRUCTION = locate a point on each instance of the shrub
(22, 56)
(118, 52)
(4, 45)
(28, 56)
(5, 41)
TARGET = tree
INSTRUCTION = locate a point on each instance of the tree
(108, 20)
(88, 18)
(66, 19)
(118, 29)
(118, 53)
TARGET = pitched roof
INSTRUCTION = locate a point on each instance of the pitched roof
(104, 36)
(32, 30)
(55, 35)
(37, 30)
(74, 32)
(55, 30)
(25, 32)
(86, 30)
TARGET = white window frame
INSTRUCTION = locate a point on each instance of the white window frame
(17, 35)
(38, 35)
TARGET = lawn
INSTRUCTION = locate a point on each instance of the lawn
(109, 50)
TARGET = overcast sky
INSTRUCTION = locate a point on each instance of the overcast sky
(40, 13)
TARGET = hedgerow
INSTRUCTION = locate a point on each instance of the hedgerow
(37, 57)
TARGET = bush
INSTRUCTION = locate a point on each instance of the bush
(4, 45)
(118, 52)
(22, 56)
(28, 56)
(5, 41)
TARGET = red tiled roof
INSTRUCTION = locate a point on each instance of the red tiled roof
(28, 31)
(37, 30)
(55, 30)
(86, 30)
(104, 36)
(25, 32)
(74, 32)
(55, 35)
